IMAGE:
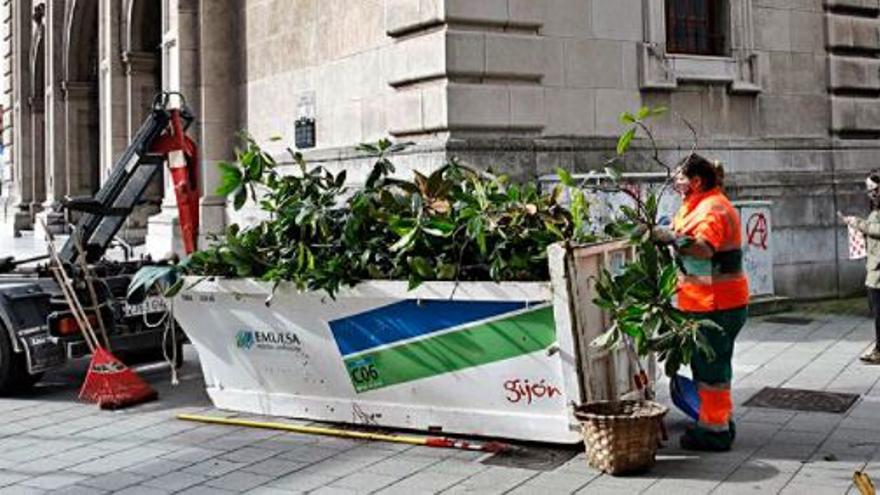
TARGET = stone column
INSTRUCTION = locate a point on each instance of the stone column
(16, 205)
(180, 72)
(221, 65)
(36, 71)
(81, 115)
(111, 86)
(54, 154)
(141, 85)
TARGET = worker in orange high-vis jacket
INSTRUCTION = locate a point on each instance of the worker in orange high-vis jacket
(712, 285)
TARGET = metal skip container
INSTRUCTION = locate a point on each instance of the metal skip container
(479, 358)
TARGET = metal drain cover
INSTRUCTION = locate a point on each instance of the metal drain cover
(802, 400)
(788, 320)
(534, 458)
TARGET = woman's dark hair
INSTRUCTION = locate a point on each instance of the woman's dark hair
(712, 173)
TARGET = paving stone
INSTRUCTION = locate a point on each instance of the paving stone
(365, 482)
(156, 467)
(21, 490)
(204, 490)
(494, 480)
(309, 453)
(552, 482)
(192, 455)
(239, 481)
(142, 490)
(302, 480)
(78, 490)
(275, 467)
(248, 455)
(175, 481)
(214, 467)
(429, 480)
(46, 465)
(54, 480)
(268, 490)
(10, 478)
(114, 481)
(683, 486)
(332, 490)
(458, 466)
(400, 466)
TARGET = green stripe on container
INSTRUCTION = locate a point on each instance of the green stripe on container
(483, 344)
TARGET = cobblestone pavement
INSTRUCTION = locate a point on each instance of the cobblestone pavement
(49, 443)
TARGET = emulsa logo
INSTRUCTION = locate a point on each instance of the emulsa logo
(267, 340)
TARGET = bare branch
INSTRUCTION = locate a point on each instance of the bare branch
(692, 129)
(656, 155)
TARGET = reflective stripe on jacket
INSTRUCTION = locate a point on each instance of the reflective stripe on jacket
(718, 283)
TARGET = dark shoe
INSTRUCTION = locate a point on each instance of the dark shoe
(731, 427)
(705, 440)
(871, 357)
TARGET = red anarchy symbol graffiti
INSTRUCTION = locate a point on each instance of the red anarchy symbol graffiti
(756, 231)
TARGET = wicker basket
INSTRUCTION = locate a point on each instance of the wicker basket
(621, 436)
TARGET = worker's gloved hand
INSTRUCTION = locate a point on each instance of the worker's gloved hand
(663, 235)
(850, 220)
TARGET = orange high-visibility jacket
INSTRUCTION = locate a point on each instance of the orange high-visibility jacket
(718, 283)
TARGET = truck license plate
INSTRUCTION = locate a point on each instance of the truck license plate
(150, 305)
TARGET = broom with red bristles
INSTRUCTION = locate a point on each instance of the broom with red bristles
(109, 383)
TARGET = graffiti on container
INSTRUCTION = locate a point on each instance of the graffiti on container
(524, 391)
(756, 231)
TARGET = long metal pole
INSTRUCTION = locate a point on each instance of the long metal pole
(437, 442)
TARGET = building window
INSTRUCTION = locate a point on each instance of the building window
(696, 27)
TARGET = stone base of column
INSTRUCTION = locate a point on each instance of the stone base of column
(13, 220)
(163, 235)
(212, 219)
(53, 220)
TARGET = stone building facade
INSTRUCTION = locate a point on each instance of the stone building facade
(785, 92)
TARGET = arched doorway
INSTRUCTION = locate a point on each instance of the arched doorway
(142, 60)
(81, 104)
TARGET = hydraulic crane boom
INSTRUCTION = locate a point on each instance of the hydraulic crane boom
(161, 139)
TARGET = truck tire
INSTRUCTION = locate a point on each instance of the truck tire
(14, 376)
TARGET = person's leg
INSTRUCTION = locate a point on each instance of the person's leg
(873, 354)
(874, 296)
(713, 376)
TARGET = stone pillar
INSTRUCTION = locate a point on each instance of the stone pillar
(180, 72)
(142, 82)
(111, 86)
(16, 204)
(221, 65)
(37, 101)
(81, 115)
(54, 153)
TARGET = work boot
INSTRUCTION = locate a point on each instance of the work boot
(871, 357)
(731, 427)
(705, 440)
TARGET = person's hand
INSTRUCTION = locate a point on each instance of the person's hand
(848, 219)
(662, 235)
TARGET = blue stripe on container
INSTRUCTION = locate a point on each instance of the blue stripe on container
(408, 319)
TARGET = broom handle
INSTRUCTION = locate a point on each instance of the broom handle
(88, 276)
(70, 303)
(69, 294)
